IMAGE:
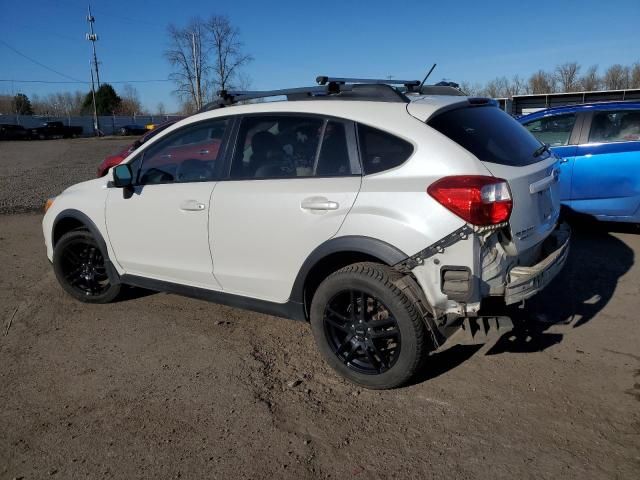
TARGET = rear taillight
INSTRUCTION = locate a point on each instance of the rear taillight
(478, 199)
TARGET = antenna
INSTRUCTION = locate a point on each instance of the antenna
(425, 78)
(93, 38)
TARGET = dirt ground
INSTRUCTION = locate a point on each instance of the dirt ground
(159, 386)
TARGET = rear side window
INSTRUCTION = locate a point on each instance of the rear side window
(490, 134)
(283, 146)
(616, 126)
(380, 150)
(554, 130)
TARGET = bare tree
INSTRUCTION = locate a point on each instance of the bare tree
(189, 56)
(518, 86)
(59, 104)
(635, 75)
(590, 81)
(470, 89)
(617, 77)
(496, 88)
(160, 109)
(228, 58)
(566, 76)
(6, 104)
(541, 82)
(130, 104)
(187, 107)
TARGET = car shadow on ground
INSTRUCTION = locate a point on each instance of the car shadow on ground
(132, 293)
(597, 260)
(440, 363)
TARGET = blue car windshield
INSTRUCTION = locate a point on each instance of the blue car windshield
(490, 134)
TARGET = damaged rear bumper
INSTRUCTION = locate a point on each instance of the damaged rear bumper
(525, 282)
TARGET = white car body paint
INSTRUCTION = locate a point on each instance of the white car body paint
(252, 236)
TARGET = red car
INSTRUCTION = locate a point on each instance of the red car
(113, 160)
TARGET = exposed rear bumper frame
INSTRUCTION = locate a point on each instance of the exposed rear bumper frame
(524, 282)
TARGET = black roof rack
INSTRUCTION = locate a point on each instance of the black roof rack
(324, 80)
(329, 88)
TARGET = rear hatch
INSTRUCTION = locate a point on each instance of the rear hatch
(509, 152)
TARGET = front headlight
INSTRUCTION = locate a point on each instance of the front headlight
(48, 204)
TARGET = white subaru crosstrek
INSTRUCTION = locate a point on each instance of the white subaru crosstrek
(383, 222)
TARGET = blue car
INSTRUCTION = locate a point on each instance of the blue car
(600, 148)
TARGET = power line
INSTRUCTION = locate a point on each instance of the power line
(41, 81)
(83, 82)
(134, 21)
(37, 62)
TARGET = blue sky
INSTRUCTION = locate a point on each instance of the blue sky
(293, 41)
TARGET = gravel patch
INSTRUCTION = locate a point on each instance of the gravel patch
(32, 171)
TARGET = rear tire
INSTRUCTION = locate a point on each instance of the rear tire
(79, 265)
(379, 346)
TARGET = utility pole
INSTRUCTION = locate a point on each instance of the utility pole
(196, 57)
(93, 38)
(96, 121)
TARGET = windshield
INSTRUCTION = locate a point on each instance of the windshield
(490, 134)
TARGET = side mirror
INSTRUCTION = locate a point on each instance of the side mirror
(122, 176)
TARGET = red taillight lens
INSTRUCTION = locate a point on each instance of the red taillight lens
(478, 199)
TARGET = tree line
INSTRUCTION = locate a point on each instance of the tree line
(62, 104)
(566, 77)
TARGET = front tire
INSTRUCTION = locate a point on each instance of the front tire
(366, 328)
(80, 268)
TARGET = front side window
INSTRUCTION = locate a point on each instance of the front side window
(554, 130)
(380, 150)
(282, 146)
(187, 155)
(615, 126)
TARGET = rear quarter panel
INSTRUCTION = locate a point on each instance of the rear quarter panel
(394, 205)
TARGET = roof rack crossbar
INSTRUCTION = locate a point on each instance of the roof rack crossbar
(323, 80)
(240, 95)
(230, 97)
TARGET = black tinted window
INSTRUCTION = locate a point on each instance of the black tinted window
(334, 154)
(615, 126)
(187, 155)
(381, 150)
(554, 130)
(489, 134)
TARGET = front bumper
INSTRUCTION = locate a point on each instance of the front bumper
(525, 282)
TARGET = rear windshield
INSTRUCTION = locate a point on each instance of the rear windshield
(490, 134)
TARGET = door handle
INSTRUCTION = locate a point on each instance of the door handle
(563, 160)
(203, 152)
(543, 184)
(319, 203)
(192, 206)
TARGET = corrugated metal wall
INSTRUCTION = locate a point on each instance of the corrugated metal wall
(523, 102)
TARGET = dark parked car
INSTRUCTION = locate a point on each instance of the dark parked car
(132, 130)
(12, 132)
(55, 129)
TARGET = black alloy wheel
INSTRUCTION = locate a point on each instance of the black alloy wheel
(367, 328)
(80, 267)
(362, 332)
